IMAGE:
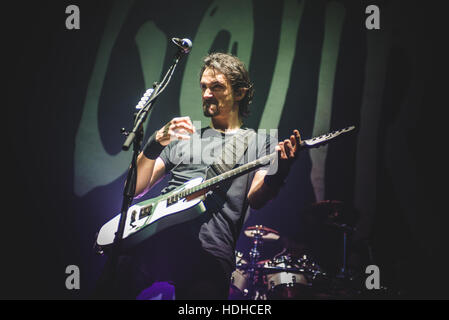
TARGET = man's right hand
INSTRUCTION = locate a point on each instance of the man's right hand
(177, 129)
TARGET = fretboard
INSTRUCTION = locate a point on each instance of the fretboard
(231, 174)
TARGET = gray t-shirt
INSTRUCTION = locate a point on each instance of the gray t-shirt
(227, 208)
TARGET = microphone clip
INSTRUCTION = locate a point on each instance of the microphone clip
(184, 45)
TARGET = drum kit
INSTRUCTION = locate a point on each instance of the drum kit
(290, 274)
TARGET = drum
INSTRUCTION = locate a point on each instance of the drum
(239, 279)
(288, 277)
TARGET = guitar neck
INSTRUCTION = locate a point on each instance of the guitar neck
(231, 174)
(253, 165)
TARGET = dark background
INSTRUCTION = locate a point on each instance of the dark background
(46, 226)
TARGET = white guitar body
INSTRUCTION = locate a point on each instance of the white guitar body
(149, 217)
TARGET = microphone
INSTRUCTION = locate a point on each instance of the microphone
(184, 44)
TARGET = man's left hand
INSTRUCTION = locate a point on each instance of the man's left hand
(289, 148)
(288, 151)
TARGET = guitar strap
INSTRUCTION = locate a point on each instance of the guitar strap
(233, 151)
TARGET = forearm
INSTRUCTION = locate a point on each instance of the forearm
(150, 168)
(265, 187)
(145, 168)
(261, 193)
(146, 162)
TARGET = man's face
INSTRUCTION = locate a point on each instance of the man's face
(217, 94)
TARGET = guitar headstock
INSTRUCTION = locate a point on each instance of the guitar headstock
(325, 138)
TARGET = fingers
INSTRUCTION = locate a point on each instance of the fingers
(295, 141)
(182, 127)
(182, 123)
(297, 137)
(285, 149)
(289, 151)
(177, 129)
(281, 150)
(181, 119)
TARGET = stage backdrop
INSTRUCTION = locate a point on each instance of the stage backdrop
(316, 65)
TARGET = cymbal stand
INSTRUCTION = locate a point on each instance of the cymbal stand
(344, 272)
(254, 255)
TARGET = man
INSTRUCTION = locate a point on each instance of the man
(199, 255)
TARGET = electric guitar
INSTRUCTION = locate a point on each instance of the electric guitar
(185, 203)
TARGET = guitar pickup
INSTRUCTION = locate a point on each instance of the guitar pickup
(172, 200)
(175, 198)
(145, 211)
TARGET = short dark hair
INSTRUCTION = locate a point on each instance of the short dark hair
(235, 71)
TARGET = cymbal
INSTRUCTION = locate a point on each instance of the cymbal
(261, 263)
(266, 234)
(333, 213)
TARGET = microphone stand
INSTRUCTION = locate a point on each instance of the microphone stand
(134, 137)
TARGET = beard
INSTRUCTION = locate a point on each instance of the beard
(210, 108)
